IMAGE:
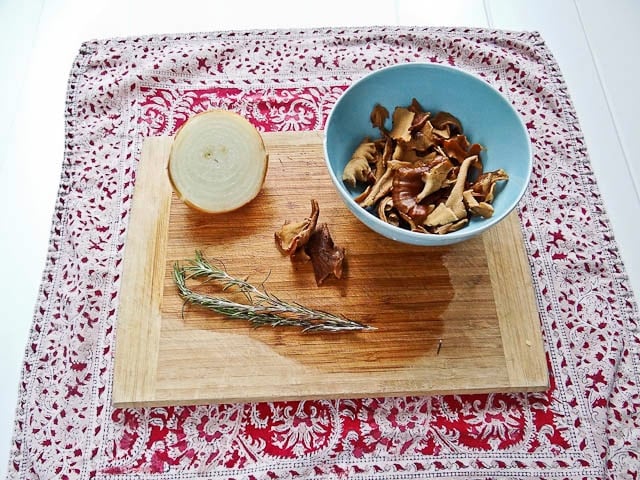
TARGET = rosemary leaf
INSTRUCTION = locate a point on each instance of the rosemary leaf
(263, 308)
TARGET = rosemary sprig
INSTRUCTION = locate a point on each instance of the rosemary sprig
(263, 308)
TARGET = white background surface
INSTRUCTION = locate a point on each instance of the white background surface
(595, 43)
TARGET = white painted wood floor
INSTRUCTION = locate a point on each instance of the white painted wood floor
(594, 42)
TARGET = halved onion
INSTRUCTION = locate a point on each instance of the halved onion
(218, 161)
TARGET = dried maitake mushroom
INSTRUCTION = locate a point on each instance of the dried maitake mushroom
(423, 174)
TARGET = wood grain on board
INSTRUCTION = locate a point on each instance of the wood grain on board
(455, 319)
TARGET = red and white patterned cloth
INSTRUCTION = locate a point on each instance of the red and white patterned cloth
(121, 90)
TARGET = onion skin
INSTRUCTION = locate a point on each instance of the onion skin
(245, 129)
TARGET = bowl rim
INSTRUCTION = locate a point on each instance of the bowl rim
(419, 238)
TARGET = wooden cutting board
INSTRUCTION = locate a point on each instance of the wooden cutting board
(457, 319)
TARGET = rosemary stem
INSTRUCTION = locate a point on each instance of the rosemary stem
(262, 308)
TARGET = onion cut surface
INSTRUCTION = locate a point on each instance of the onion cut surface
(218, 161)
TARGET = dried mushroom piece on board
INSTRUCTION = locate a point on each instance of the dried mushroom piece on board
(423, 174)
(326, 257)
(293, 236)
(315, 243)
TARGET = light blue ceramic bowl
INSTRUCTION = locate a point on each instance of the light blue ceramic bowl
(486, 116)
